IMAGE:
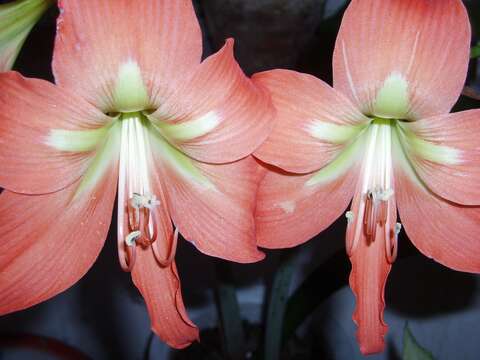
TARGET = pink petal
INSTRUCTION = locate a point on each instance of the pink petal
(95, 38)
(370, 268)
(453, 170)
(219, 115)
(441, 230)
(30, 111)
(160, 287)
(49, 242)
(427, 43)
(155, 274)
(310, 123)
(212, 205)
(290, 211)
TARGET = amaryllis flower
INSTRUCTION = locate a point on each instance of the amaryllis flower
(134, 106)
(17, 18)
(384, 136)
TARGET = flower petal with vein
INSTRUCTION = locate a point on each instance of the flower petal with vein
(383, 136)
(17, 18)
(133, 109)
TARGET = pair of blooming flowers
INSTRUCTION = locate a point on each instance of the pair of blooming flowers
(135, 114)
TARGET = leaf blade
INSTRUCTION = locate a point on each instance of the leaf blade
(412, 350)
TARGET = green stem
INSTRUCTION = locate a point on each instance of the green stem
(233, 337)
(277, 307)
(475, 51)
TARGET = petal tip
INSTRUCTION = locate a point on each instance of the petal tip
(194, 337)
(230, 43)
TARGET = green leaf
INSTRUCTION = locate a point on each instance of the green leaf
(412, 349)
(17, 18)
(475, 51)
(233, 337)
(277, 306)
(318, 286)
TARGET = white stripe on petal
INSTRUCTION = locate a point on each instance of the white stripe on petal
(340, 165)
(190, 129)
(332, 133)
(426, 150)
(76, 140)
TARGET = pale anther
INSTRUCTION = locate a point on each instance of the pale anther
(380, 195)
(350, 216)
(398, 228)
(147, 200)
(132, 237)
(151, 201)
(139, 201)
(392, 247)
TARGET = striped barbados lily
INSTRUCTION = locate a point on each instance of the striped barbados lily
(17, 18)
(383, 136)
(134, 108)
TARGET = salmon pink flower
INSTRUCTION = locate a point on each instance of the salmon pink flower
(384, 136)
(17, 18)
(132, 106)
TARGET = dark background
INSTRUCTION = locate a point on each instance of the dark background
(104, 317)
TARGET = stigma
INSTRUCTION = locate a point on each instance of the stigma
(373, 214)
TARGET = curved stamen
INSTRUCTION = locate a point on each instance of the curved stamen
(352, 240)
(134, 206)
(128, 261)
(131, 238)
(152, 233)
(373, 207)
(133, 218)
(369, 223)
(171, 254)
(137, 213)
(145, 239)
(376, 211)
(391, 247)
(140, 212)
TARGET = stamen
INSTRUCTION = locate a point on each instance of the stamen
(368, 222)
(171, 253)
(392, 247)
(374, 202)
(136, 204)
(350, 217)
(139, 215)
(352, 240)
(139, 209)
(147, 200)
(151, 201)
(398, 228)
(127, 261)
(376, 211)
(132, 237)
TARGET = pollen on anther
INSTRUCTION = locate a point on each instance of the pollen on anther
(139, 201)
(398, 228)
(132, 237)
(350, 216)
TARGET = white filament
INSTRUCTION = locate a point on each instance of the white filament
(134, 184)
